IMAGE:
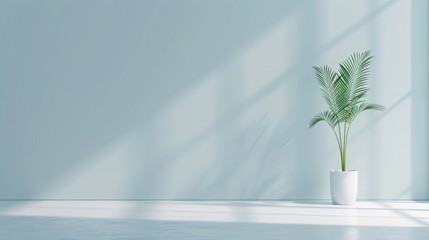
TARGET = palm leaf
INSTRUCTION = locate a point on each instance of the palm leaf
(327, 116)
(355, 72)
(341, 98)
(326, 77)
(356, 110)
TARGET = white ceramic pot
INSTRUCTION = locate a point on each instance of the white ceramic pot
(344, 186)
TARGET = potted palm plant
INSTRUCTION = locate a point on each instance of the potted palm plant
(344, 93)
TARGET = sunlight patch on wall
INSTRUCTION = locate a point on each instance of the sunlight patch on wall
(272, 55)
(102, 175)
(192, 113)
(331, 12)
(394, 67)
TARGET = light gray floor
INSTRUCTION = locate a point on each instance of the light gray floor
(212, 220)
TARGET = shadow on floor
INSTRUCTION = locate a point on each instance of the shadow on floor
(77, 228)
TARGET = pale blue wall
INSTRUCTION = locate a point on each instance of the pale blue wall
(204, 99)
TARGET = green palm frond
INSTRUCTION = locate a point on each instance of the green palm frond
(355, 72)
(327, 116)
(341, 96)
(356, 110)
(326, 78)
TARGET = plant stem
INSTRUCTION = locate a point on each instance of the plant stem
(338, 141)
(343, 159)
(340, 144)
(346, 137)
